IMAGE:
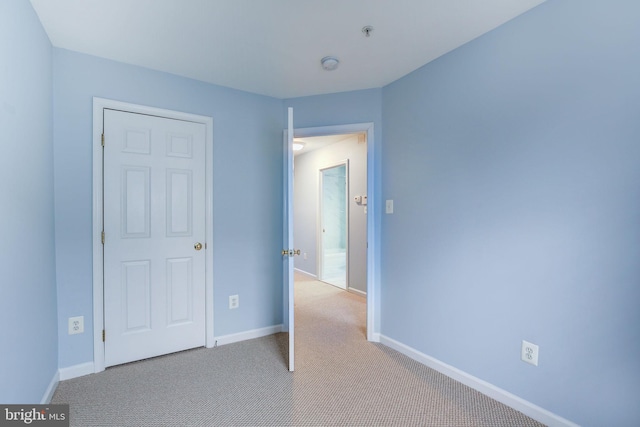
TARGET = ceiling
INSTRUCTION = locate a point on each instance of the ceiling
(274, 47)
(316, 142)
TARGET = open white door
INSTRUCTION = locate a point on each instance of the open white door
(288, 252)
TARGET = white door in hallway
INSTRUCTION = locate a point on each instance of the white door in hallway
(333, 240)
(154, 247)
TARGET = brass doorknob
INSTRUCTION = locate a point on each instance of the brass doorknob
(197, 246)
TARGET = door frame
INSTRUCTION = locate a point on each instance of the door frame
(374, 212)
(99, 105)
(319, 234)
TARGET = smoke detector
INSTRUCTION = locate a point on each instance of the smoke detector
(329, 63)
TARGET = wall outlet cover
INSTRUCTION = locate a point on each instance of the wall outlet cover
(529, 353)
(76, 325)
(234, 301)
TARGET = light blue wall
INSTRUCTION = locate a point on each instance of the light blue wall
(363, 106)
(514, 165)
(247, 169)
(28, 336)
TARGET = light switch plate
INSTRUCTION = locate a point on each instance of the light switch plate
(389, 207)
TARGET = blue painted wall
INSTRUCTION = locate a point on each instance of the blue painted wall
(28, 336)
(247, 169)
(514, 165)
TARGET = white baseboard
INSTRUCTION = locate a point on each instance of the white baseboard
(248, 335)
(357, 292)
(48, 394)
(76, 371)
(375, 337)
(537, 413)
(305, 273)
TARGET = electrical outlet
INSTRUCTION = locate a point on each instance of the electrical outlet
(529, 353)
(305, 255)
(76, 325)
(234, 301)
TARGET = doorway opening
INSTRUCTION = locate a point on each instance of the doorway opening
(369, 254)
(330, 212)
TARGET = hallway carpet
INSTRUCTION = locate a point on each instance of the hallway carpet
(340, 380)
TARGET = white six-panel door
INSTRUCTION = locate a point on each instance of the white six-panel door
(154, 223)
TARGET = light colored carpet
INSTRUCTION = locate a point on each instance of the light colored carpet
(340, 380)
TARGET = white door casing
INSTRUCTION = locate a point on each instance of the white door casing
(157, 287)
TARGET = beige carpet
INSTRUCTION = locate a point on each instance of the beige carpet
(340, 380)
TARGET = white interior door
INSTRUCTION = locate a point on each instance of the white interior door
(334, 224)
(154, 247)
(288, 251)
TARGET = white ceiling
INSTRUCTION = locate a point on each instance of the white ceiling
(274, 47)
(316, 142)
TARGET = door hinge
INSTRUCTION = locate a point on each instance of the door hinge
(102, 237)
(103, 335)
(102, 142)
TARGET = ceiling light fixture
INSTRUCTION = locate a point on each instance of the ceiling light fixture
(367, 30)
(297, 145)
(329, 63)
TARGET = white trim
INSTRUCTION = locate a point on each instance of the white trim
(51, 388)
(373, 306)
(357, 292)
(248, 335)
(99, 104)
(306, 273)
(536, 412)
(76, 371)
